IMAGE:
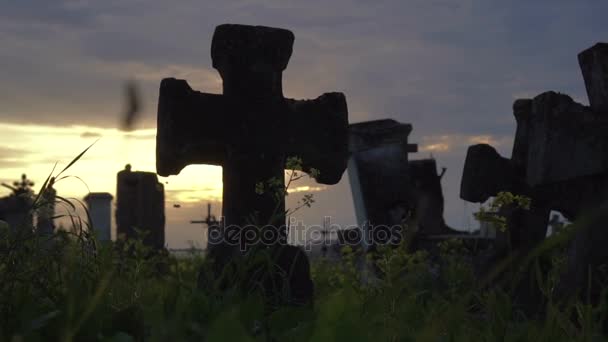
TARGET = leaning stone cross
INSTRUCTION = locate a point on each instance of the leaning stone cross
(251, 129)
(560, 153)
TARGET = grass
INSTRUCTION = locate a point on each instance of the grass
(70, 287)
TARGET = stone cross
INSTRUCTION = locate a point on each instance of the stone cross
(251, 129)
(210, 220)
(559, 158)
(211, 223)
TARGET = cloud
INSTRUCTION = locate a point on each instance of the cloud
(456, 142)
(12, 153)
(451, 68)
(306, 188)
(65, 14)
(455, 62)
(90, 135)
(198, 77)
(12, 157)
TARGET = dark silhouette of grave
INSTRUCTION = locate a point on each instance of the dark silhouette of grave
(388, 189)
(427, 197)
(16, 208)
(559, 160)
(486, 174)
(254, 130)
(99, 205)
(379, 176)
(140, 205)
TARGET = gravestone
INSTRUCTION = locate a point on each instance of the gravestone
(250, 130)
(559, 159)
(427, 196)
(16, 209)
(388, 189)
(99, 205)
(379, 175)
(140, 204)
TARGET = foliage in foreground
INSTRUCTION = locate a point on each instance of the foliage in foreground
(70, 288)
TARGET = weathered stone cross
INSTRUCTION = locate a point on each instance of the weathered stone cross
(251, 129)
(560, 152)
(559, 159)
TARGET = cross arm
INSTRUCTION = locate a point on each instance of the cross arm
(191, 127)
(319, 135)
(485, 174)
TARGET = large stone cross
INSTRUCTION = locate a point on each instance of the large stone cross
(559, 159)
(251, 129)
(560, 152)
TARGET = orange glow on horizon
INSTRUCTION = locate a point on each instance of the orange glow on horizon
(36, 149)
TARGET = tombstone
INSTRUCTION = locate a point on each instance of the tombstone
(378, 173)
(16, 212)
(427, 197)
(559, 159)
(99, 205)
(16, 209)
(390, 190)
(255, 128)
(140, 204)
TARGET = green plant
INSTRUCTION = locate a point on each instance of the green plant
(68, 287)
(492, 212)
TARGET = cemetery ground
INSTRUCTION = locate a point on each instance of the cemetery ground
(69, 287)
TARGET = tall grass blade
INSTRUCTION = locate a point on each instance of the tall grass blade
(77, 158)
(43, 187)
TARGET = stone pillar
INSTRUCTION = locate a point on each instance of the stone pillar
(378, 172)
(140, 204)
(99, 205)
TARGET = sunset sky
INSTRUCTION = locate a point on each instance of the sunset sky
(451, 68)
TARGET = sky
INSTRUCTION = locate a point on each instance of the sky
(451, 68)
